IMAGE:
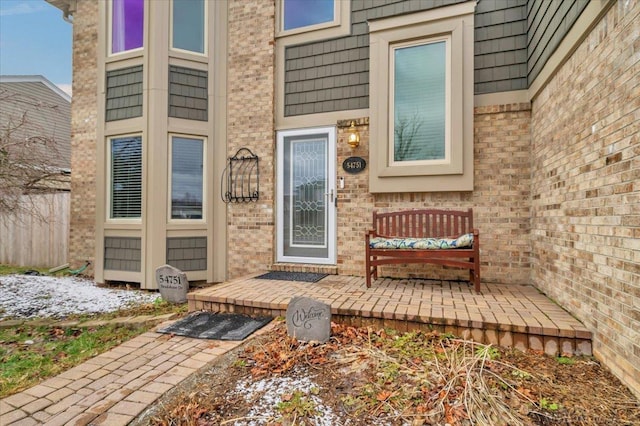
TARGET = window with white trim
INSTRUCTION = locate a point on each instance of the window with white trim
(304, 13)
(126, 25)
(307, 20)
(125, 177)
(187, 177)
(421, 101)
(188, 25)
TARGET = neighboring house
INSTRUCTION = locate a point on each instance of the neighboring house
(35, 162)
(526, 110)
(35, 111)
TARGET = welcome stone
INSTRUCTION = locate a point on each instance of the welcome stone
(308, 319)
(172, 283)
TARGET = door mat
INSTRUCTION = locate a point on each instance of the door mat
(307, 277)
(216, 326)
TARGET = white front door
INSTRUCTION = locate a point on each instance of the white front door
(306, 231)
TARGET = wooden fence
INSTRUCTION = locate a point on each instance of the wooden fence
(40, 239)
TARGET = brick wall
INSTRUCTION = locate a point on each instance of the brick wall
(501, 200)
(586, 188)
(83, 136)
(250, 112)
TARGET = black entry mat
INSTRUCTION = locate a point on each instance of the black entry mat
(216, 326)
(307, 277)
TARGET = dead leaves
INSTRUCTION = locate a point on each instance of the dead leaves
(280, 355)
(384, 395)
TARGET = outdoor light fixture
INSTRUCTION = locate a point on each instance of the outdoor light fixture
(354, 136)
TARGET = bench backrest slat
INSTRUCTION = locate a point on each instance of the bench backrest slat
(423, 223)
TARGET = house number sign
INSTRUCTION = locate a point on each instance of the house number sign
(354, 165)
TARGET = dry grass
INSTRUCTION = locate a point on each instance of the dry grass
(384, 377)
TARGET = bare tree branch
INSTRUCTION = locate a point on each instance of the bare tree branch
(28, 156)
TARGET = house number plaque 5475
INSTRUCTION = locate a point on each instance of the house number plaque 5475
(354, 165)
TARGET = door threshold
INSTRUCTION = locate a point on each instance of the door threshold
(304, 267)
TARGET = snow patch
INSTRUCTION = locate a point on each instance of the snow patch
(28, 296)
(266, 394)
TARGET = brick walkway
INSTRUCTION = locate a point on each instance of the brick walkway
(116, 386)
(510, 315)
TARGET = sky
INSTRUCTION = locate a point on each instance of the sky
(34, 39)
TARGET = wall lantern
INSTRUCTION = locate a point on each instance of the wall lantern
(354, 136)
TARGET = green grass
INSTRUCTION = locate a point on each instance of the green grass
(31, 354)
(565, 360)
(12, 269)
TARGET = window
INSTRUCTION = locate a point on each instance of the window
(187, 169)
(127, 24)
(307, 20)
(188, 25)
(418, 116)
(421, 101)
(304, 13)
(126, 177)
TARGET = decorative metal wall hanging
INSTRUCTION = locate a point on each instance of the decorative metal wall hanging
(242, 176)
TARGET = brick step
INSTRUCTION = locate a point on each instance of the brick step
(507, 315)
(567, 343)
(304, 267)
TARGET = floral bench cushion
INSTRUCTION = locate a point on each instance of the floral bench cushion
(464, 241)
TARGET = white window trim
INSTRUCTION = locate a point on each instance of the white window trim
(109, 181)
(205, 33)
(131, 52)
(341, 24)
(330, 131)
(457, 22)
(447, 131)
(170, 180)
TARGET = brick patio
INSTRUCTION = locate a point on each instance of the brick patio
(509, 315)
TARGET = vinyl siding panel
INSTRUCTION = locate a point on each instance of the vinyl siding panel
(47, 115)
(548, 22)
(124, 93)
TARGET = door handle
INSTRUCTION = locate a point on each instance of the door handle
(330, 195)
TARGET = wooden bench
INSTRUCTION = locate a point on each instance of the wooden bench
(396, 232)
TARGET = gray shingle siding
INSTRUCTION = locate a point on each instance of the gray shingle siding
(122, 254)
(124, 93)
(513, 41)
(547, 26)
(188, 95)
(333, 75)
(500, 49)
(187, 253)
